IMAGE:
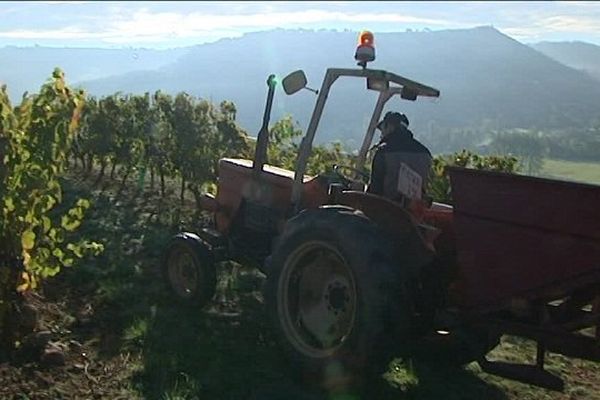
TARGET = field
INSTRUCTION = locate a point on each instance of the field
(571, 170)
(124, 337)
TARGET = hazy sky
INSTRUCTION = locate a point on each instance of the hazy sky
(173, 24)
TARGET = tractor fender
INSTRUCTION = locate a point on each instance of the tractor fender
(394, 219)
(387, 214)
(201, 246)
(276, 241)
(208, 203)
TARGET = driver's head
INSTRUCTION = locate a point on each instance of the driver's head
(392, 122)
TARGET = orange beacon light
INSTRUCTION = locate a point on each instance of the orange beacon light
(365, 51)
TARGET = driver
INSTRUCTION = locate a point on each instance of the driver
(395, 147)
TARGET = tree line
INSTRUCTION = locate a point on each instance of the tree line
(531, 146)
(157, 136)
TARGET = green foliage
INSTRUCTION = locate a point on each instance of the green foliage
(284, 147)
(204, 134)
(527, 146)
(36, 138)
(180, 137)
(439, 185)
(573, 144)
(283, 143)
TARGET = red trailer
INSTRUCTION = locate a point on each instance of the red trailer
(529, 263)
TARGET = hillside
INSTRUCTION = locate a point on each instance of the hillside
(578, 55)
(26, 68)
(485, 77)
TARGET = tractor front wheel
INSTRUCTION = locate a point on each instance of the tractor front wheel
(189, 269)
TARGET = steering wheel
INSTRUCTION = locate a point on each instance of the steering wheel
(351, 181)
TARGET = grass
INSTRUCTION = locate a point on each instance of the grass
(571, 170)
(127, 338)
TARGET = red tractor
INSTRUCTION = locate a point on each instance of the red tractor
(353, 278)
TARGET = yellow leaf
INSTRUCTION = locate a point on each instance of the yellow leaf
(29, 217)
(26, 283)
(69, 225)
(28, 240)
(26, 258)
(10, 205)
(83, 203)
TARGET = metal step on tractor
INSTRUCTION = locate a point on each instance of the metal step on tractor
(354, 278)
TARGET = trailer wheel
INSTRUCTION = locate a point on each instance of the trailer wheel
(189, 269)
(331, 291)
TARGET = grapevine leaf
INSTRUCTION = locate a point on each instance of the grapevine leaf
(28, 240)
(26, 283)
(83, 203)
(75, 249)
(69, 224)
(47, 224)
(58, 253)
(9, 204)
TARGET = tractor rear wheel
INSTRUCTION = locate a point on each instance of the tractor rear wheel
(189, 269)
(335, 298)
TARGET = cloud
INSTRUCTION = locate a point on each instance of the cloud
(6, 11)
(559, 19)
(144, 25)
(123, 23)
(60, 34)
(561, 24)
(61, 2)
(523, 33)
(582, 4)
(569, 23)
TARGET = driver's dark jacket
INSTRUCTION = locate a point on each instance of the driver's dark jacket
(398, 147)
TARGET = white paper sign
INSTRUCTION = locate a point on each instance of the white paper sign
(409, 182)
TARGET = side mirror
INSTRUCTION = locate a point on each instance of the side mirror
(408, 94)
(294, 82)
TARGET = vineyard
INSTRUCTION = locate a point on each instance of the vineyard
(94, 188)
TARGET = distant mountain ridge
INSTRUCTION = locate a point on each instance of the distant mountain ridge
(27, 68)
(579, 55)
(486, 78)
